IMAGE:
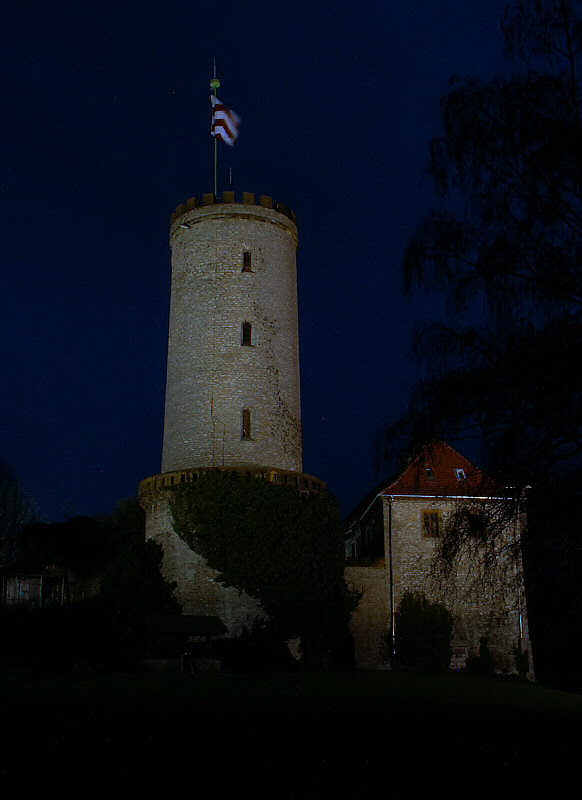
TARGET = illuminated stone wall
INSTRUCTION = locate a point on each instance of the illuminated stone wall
(487, 604)
(213, 376)
(197, 592)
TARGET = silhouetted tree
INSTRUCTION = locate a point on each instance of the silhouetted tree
(17, 509)
(107, 630)
(78, 547)
(132, 582)
(505, 247)
(423, 634)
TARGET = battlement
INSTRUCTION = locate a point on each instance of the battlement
(165, 481)
(228, 198)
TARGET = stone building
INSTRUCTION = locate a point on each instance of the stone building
(394, 545)
(232, 389)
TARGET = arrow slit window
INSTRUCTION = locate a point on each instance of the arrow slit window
(246, 423)
(247, 334)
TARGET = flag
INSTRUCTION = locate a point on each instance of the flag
(224, 122)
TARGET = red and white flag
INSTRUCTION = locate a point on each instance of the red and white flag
(224, 122)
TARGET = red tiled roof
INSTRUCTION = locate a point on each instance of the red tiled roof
(439, 471)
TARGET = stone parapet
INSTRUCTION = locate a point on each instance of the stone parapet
(229, 198)
(151, 487)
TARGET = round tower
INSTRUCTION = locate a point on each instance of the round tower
(232, 391)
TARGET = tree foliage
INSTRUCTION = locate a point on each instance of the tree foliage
(17, 510)
(78, 546)
(505, 247)
(423, 634)
(106, 631)
(132, 581)
(283, 548)
(111, 549)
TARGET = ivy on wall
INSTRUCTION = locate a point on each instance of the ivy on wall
(281, 547)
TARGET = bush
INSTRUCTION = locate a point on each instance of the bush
(483, 664)
(423, 634)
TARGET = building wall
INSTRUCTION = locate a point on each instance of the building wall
(484, 603)
(211, 376)
(370, 624)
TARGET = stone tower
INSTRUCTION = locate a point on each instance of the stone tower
(232, 391)
(232, 388)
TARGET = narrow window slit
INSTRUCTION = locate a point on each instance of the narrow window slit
(246, 423)
(247, 334)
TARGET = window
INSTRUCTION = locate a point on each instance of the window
(429, 474)
(247, 334)
(460, 474)
(431, 524)
(246, 424)
(476, 524)
(246, 262)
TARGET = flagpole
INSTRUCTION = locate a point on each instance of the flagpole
(214, 85)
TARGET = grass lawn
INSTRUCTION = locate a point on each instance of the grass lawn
(352, 735)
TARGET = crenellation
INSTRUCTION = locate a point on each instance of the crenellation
(229, 198)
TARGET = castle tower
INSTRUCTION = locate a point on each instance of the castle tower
(232, 391)
(232, 388)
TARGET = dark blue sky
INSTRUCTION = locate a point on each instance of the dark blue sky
(105, 129)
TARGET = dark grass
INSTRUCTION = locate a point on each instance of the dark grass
(352, 735)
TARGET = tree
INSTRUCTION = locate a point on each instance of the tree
(17, 509)
(132, 582)
(78, 547)
(108, 629)
(505, 247)
(423, 634)
(109, 548)
(281, 547)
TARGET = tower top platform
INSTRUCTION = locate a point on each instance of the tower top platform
(228, 198)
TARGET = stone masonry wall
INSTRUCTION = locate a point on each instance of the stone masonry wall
(198, 592)
(493, 607)
(490, 605)
(370, 621)
(211, 376)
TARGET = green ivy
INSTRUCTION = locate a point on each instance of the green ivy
(281, 547)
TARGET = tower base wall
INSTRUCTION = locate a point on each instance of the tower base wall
(198, 590)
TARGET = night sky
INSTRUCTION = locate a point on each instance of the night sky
(105, 130)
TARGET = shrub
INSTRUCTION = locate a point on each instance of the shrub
(423, 634)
